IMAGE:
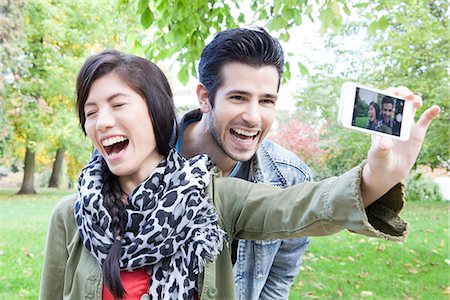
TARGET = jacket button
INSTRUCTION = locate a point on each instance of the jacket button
(212, 292)
(145, 297)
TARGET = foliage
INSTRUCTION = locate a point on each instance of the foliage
(299, 137)
(11, 33)
(56, 37)
(409, 41)
(417, 268)
(421, 187)
(383, 43)
(341, 149)
(180, 28)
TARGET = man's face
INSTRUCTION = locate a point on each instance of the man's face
(387, 111)
(244, 109)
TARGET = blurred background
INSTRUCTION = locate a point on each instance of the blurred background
(378, 43)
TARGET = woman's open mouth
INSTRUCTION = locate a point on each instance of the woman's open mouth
(114, 145)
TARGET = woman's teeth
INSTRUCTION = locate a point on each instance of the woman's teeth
(113, 140)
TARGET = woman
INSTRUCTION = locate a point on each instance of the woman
(374, 122)
(142, 222)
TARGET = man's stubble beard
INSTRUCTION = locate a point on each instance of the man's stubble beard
(216, 138)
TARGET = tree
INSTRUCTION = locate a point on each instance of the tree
(57, 169)
(11, 32)
(300, 137)
(57, 37)
(28, 174)
(387, 44)
(180, 28)
(411, 43)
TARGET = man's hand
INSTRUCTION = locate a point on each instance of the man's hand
(390, 161)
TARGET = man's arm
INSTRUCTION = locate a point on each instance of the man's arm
(389, 161)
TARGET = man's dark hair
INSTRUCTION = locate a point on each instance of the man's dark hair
(252, 46)
(387, 99)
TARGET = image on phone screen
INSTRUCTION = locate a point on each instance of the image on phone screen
(377, 112)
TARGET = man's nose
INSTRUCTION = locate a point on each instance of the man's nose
(252, 114)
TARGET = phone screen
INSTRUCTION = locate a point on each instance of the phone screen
(377, 112)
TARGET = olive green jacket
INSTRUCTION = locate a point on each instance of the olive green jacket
(246, 211)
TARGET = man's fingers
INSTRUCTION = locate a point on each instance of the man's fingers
(405, 93)
(417, 101)
(381, 146)
(428, 116)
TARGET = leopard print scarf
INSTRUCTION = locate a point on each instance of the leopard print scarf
(171, 226)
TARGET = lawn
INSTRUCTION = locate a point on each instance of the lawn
(345, 265)
(361, 122)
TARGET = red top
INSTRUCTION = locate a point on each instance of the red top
(135, 284)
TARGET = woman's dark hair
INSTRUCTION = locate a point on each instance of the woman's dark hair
(252, 46)
(143, 77)
(147, 80)
(377, 109)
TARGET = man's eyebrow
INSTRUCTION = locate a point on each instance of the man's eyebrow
(242, 92)
(111, 97)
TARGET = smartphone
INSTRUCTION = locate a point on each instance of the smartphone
(371, 111)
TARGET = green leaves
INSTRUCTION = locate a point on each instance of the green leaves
(277, 23)
(147, 18)
(184, 26)
(303, 70)
(142, 6)
(381, 24)
(183, 74)
(330, 17)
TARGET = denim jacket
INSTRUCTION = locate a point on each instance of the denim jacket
(266, 269)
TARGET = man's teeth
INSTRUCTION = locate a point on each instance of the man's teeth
(245, 132)
(113, 140)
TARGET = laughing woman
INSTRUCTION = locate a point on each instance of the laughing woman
(148, 223)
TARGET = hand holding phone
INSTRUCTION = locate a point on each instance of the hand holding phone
(368, 110)
(389, 160)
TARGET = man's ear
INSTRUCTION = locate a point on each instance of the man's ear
(203, 100)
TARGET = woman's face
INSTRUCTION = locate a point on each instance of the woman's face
(119, 126)
(372, 113)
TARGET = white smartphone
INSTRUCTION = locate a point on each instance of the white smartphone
(372, 111)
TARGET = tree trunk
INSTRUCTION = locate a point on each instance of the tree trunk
(57, 169)
(28, 174)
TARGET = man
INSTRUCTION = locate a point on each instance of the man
(240, 74)
(387, 109)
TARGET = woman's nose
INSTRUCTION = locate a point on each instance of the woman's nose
(105, 120)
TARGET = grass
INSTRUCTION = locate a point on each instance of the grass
(361, 122)
(343, 266)
(23, 228)
(350, 266)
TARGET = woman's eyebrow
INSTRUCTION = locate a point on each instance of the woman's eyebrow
(111, 97)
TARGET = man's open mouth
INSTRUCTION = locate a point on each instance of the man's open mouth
(244, 135)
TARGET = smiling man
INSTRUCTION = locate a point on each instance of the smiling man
(387, 111)
(240, 74)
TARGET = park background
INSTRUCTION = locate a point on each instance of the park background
(377, 43)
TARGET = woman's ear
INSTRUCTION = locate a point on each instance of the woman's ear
(203, 99)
